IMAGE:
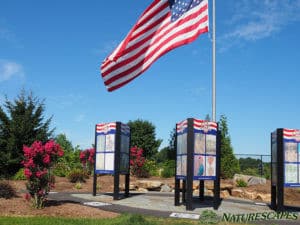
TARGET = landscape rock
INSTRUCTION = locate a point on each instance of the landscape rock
(250, 195)
(237, 192)
(208, 192)
(257, 180)
(142, 190)
(224, 194)
(165, 188)
(151, 185)
(264, 197)
(250, 180)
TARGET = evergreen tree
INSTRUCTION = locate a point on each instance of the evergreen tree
(143, 136)
(229, 163)
(21, 123)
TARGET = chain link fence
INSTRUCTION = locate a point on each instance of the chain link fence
(255, 165)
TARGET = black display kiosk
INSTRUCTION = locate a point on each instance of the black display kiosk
(112, 142)
(285, 168)
(197, 158)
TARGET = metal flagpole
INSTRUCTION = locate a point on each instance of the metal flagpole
(213, 61)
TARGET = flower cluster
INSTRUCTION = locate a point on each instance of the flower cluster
(87, 159)
(38, 159)
(137, 162)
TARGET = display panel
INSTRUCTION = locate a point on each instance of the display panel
(181, 150)
(274, 157)
(205, 147)
(291, 142)
(125, 145)
(105, 147)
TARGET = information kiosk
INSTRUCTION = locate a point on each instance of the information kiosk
(285, 159)
(112, 142)
(197, 158)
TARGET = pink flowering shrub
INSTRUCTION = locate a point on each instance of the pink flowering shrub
(137, 162)
(38, 159)
(87, 159)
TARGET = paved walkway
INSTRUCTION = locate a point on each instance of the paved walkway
(162, 205)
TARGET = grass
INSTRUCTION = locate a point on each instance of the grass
(125, 219)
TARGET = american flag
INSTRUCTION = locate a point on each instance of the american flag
(165, 25)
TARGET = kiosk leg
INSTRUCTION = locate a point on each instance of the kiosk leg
(201, 190)
(273, 197)
(116, 186)
(177, 192)
(95, 184)
(183, 191)
(127, 181)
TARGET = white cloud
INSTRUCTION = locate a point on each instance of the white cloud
(258, 19)
(79, 118)
(8, 69)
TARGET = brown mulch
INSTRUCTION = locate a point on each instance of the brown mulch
(18, 206)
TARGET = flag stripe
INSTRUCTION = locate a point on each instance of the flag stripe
(153, 36)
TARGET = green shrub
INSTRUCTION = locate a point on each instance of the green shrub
(168, 169)
(77, 175)
(250, 172)
(61, 170)
(6, 190)
(209, 217)
(19, 175)
(241, 183)
(151, 167)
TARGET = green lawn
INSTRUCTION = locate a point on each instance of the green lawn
(125, 219)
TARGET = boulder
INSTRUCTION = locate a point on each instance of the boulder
(208, 193)
(165, 188)
(237, 192)
(142, 190)
(250, 195)
(250, 180)
(224, 194)
(263, 197)
(257, 180)
(151, 185)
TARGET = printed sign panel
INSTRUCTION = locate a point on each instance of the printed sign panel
(274, 157)
(291, 142)
(105, 147)
(181, 150)
(205, 146)
(125, 145)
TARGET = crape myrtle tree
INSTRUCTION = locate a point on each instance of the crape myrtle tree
(143, 136)
(229, 163)
(21, 123)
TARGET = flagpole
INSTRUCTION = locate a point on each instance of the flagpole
(213, 61)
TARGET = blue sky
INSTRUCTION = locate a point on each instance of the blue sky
(55, 49)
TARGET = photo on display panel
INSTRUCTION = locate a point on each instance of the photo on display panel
(124, 162)
(210, 166)
(109, 161)
(100, 143)
(184, 143)
(199, 143)
(100, 161)
(178, 166)
(211, 144)
(290, 152)
(299, 154)
(199, 165)
(179, 145)
(291, 173)
(183, 165)
(110, 143)
(124, 144)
